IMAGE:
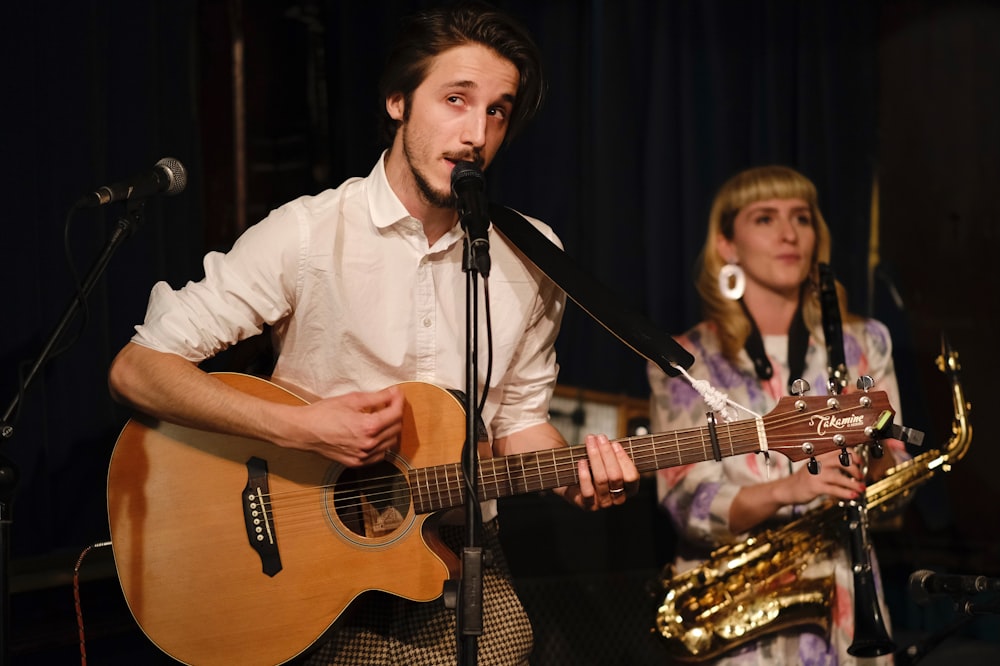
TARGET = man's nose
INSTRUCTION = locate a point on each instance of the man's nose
(474, 130)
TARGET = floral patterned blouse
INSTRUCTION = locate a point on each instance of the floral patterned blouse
(698, 497)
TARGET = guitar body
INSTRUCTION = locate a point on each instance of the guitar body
(194, 581)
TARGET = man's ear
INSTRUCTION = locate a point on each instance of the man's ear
(395, 106)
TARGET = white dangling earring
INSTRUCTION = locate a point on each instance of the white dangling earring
(732, 281)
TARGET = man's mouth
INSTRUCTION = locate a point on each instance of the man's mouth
(474, 159)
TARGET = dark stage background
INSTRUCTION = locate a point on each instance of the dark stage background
(890, 107)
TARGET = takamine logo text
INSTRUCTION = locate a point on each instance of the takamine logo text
(825, 423)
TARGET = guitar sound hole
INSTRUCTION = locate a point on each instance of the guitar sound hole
(371, 501)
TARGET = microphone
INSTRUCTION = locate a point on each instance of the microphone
(168, 176)
(925, 584)
(469, 188)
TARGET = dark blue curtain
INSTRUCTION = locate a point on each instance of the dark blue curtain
(653, 105)
(95, 91)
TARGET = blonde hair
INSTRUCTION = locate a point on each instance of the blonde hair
(743, 189)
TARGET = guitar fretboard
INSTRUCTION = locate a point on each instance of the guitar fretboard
(441, 487)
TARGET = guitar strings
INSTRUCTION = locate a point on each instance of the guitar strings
(559, 468)
(687, 446)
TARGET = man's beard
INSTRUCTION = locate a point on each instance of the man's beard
(432, 196)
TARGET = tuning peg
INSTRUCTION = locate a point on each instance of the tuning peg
(800, 387)
(865, 383)
(813, 466)
(845, 458)
(876, 449)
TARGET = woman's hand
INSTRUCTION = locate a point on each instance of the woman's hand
(833, 479)
(756, 503)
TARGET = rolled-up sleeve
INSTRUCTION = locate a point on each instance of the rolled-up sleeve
(255, 283)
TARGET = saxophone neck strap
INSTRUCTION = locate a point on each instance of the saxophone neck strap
(833, 330)
(594, 298)
(798, 345)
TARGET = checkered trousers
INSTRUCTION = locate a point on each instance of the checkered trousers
(384, 630)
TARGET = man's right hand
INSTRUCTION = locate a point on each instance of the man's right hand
(354, 429)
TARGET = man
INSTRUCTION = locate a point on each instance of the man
(364, 288)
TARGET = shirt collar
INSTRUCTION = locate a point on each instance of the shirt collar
(387, 210)
(385, 206)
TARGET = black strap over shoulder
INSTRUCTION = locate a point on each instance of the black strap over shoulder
(798, 343)
(594, 298)
(832, 329)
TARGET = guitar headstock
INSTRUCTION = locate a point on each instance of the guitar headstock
(803, 427)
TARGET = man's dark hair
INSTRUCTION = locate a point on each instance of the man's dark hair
(431, 32)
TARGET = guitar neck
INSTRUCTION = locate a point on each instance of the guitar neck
(441, 487)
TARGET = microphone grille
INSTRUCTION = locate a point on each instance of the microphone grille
(176, 173)
(466, 171)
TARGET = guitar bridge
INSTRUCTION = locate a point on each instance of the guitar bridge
(258, 516)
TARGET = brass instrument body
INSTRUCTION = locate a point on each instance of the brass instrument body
(750, 589)
(745, 589)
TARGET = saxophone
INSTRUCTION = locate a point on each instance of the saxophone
(759, 586)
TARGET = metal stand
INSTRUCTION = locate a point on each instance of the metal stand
(470, 590)
(968, 608)
(8, 472)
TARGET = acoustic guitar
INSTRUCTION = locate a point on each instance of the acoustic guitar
(236, 551)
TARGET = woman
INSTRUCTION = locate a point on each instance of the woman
(763, 329)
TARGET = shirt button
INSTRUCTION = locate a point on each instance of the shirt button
(427, 323)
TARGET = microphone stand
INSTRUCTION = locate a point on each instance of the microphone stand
(917, 651)
(8, 471)
(470, 590)
(967, 609)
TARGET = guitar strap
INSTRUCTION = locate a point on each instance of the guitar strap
(594, 298)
